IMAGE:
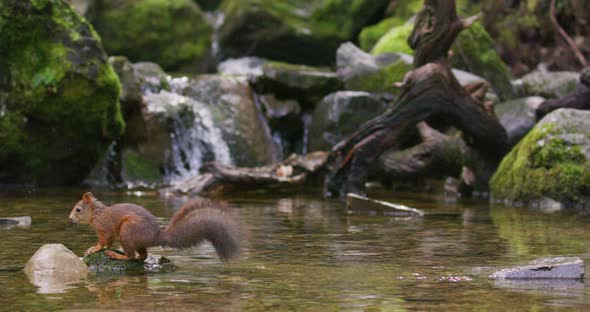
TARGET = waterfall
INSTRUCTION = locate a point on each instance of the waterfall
(194, 139)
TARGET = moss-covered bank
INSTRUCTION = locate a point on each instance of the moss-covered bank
(59, 105)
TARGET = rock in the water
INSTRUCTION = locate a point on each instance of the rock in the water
(553, 161)
(545, 268)
(304, 83)
(99, 262)
(54, 265)
(174, 34)
(340, 114)
(11, 222)
(518, 116)
(551, 85)
(58, 94)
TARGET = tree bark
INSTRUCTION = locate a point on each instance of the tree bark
(430, 91)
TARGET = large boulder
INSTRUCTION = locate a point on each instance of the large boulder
(236, 114)
(53, 266)
(301, 32)
(58, 95)
(172, 33)
(304, 83)
(340, 114)
(518, 116)
(550, 167)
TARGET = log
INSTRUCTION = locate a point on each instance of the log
(429, 92)
(217, 179)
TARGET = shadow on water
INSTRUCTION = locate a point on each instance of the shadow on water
(307, 253)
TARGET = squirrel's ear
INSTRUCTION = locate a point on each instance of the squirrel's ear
(87, 198)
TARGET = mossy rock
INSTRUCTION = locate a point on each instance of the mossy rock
(552, 161)
(305, 83)
(295, 31)
(402, 11)
(99, 262)
(172, 33)
(473, 50)
(58, 94)
(395, 40)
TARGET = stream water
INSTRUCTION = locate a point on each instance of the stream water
(307, 253)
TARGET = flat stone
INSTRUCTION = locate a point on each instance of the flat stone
(101, 263)
(545, 268)
(54, 265)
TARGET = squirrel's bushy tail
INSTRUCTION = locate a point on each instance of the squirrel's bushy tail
(203, 219)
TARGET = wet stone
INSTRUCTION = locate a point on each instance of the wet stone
(101, 263)
(545, 268)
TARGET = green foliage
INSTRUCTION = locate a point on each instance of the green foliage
(371, 34)
(542, 164)
(138, 168)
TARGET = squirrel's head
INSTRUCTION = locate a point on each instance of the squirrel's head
(83, 210)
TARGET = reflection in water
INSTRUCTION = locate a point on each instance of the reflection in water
(311, 254)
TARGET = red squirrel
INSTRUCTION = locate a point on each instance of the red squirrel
(137, 229)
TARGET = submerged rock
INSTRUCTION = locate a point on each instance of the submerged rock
(54, 265)
(174, 34)
(99, 262)
(552, 161)
(11, 222)
(58, 94)
(545, 268)
(518, 116)
(340, 114)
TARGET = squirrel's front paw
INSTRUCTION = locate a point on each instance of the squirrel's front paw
(92, 250)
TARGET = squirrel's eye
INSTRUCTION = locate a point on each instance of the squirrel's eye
(78, 209)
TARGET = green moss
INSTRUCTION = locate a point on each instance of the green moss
(382, 80)
(99, 262)
(371, 34)
(67, 101)
(138, 168)
(542, 164)
(475, 52)
(395, 40)
(172, 33)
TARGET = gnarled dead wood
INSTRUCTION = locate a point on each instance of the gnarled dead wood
(429, 91)
(215, 178)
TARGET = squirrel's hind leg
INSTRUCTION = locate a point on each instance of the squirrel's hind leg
(129, 253)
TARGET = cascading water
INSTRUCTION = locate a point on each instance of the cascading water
(194, 139)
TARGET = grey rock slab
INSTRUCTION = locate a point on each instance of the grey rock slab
(545, 268)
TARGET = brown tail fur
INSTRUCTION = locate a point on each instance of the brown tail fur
(200, 220)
